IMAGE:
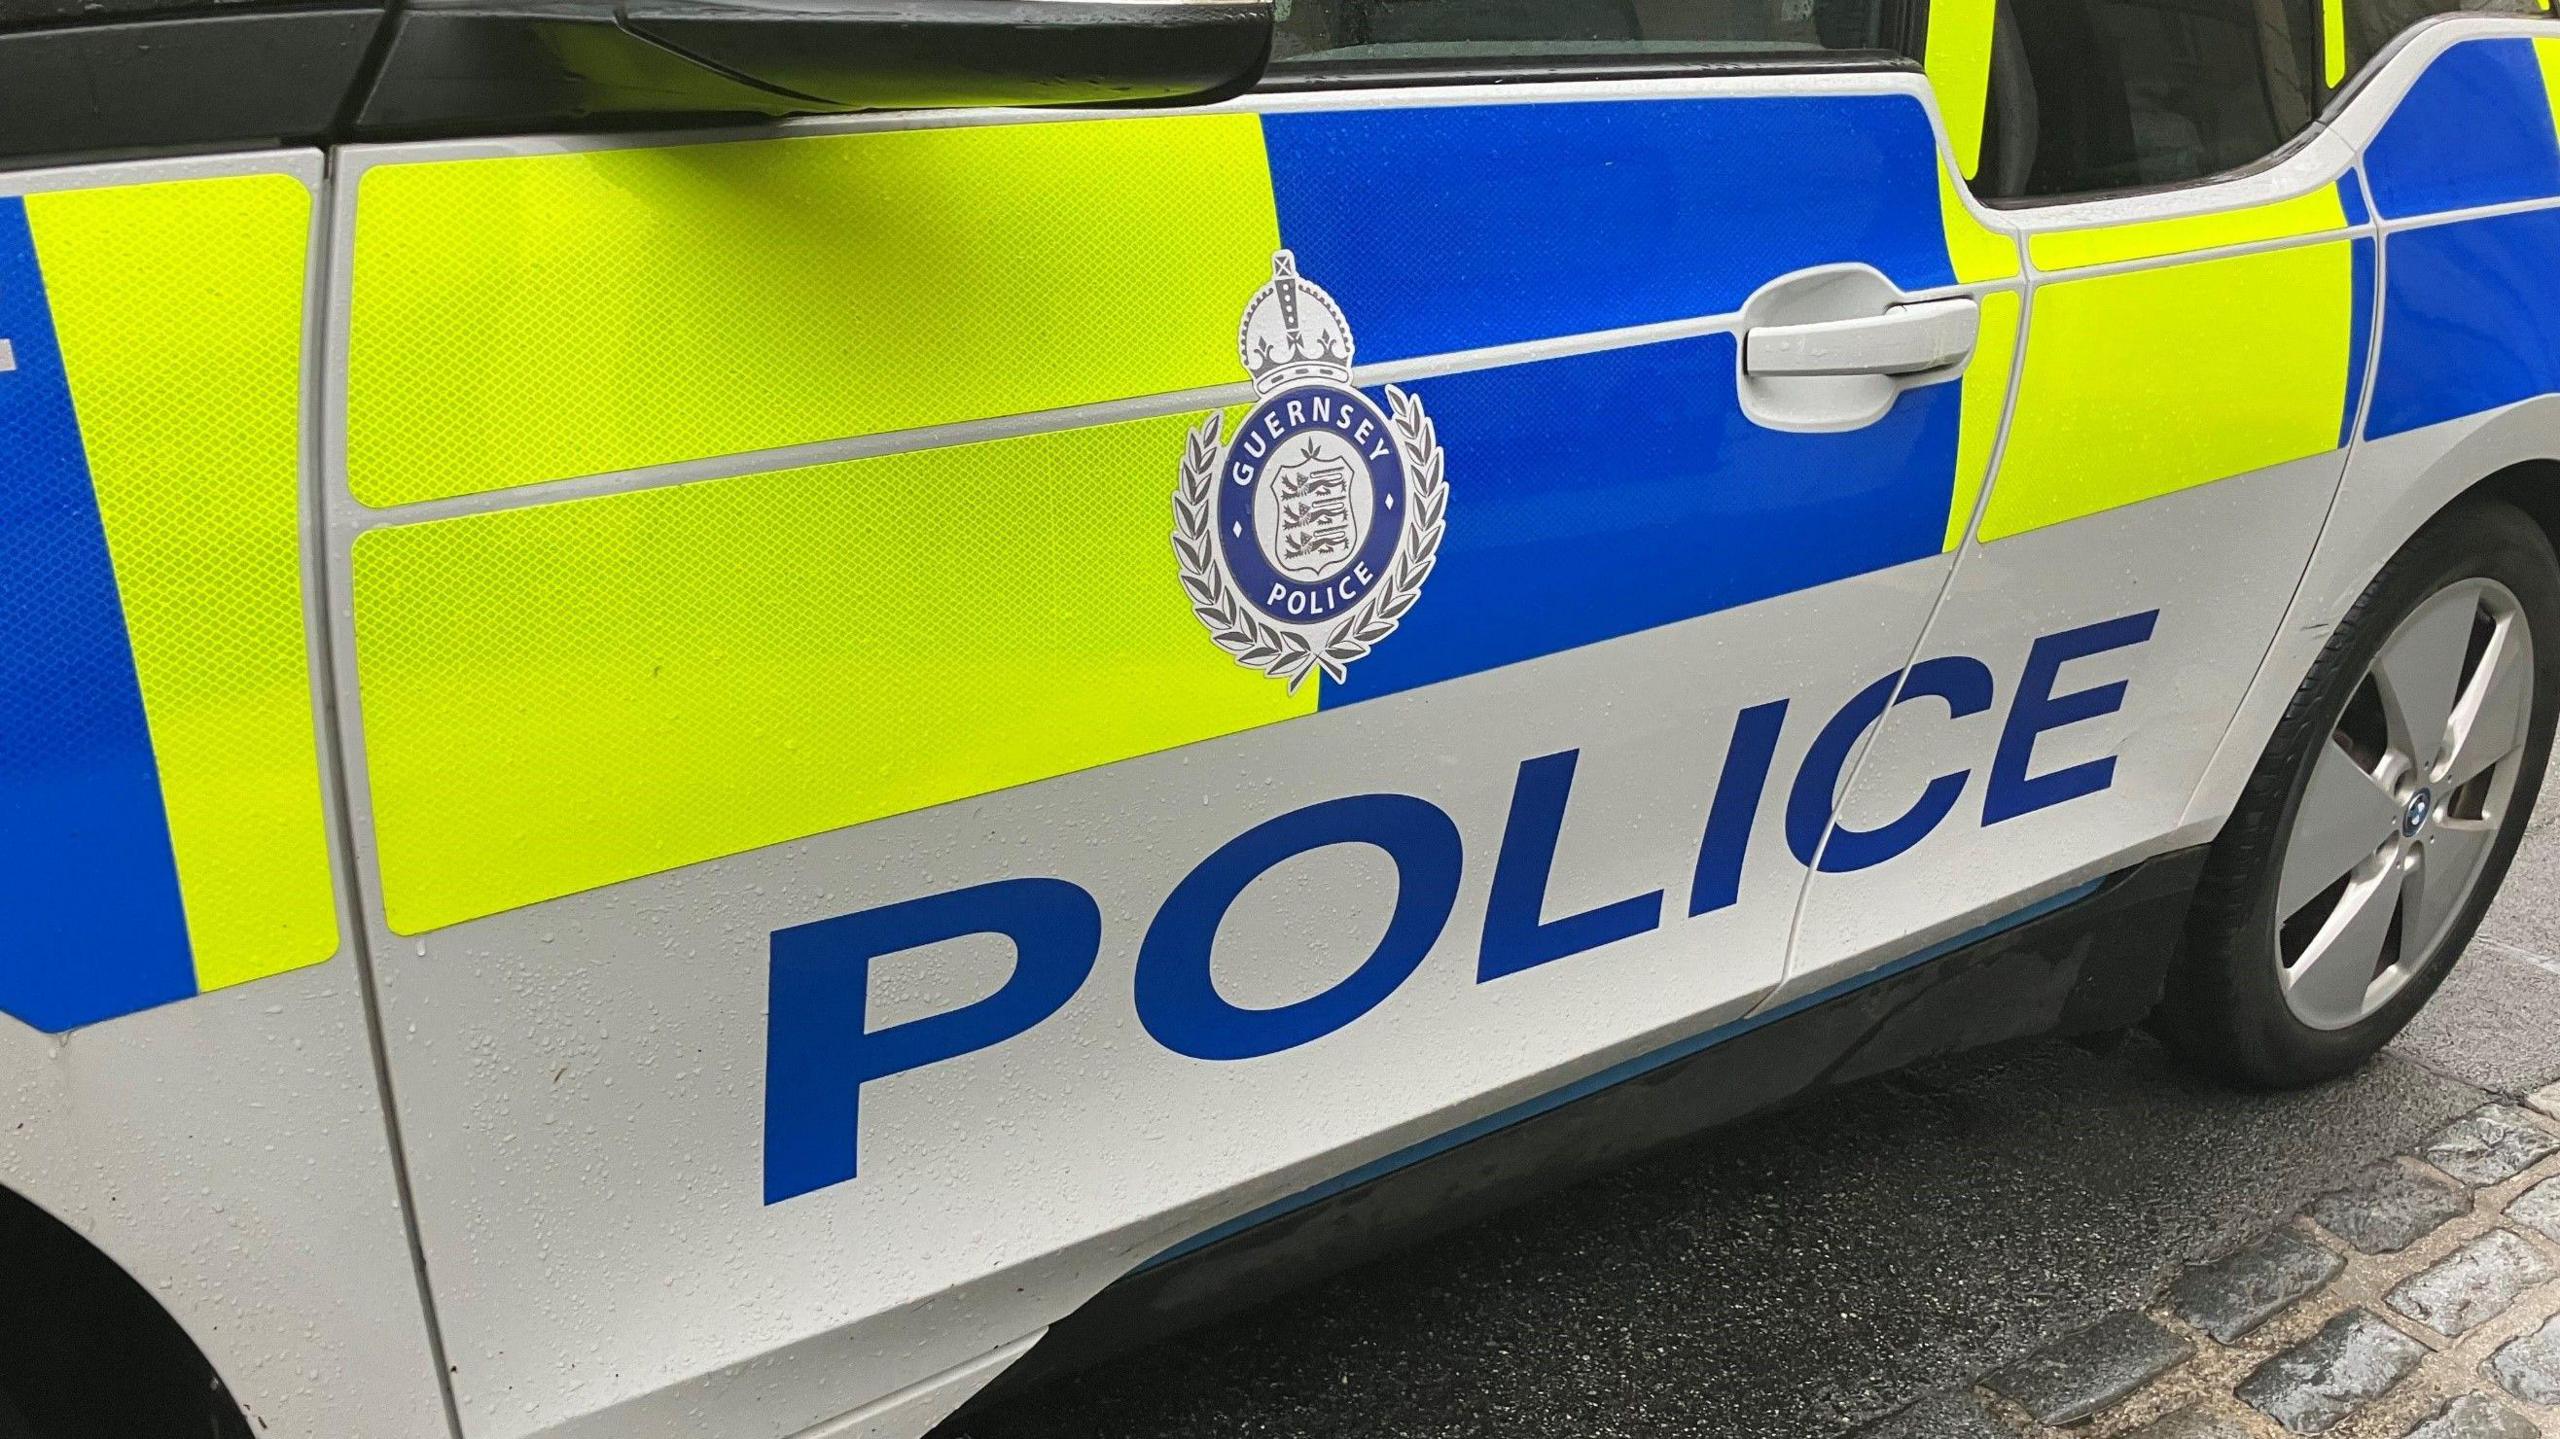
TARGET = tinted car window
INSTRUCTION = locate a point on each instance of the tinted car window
(1319, 32)
(2094, 95)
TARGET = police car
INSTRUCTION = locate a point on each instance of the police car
(752, 717)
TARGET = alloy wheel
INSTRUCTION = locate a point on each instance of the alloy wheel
(2404, 804)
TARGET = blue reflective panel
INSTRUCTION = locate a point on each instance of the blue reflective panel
(2471, 320)
(2475, 130)
(1602, 494)
(90, 921)
(1455, 227)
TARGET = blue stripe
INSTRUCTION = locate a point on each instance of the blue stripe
(1599, 495)
(2470, 320)
(2351, 199)
(2359, 338)
(90, 921)
(1451, 228)
(2475, 129)
(1608, 1078)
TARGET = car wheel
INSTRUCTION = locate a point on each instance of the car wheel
(2377, 826)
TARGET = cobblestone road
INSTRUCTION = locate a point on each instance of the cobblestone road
(2417, 1300)
(2039, 1242)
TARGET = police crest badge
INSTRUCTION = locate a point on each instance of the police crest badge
(1305, 537)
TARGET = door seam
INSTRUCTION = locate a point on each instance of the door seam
(321, 592)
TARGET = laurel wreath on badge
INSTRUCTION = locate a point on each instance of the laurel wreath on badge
(1285, 653)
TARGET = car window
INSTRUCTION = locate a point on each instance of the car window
(2373, 24)
(2097, 95)
(1317, 33)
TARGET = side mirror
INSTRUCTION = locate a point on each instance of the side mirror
(493, 65)
(902, 54)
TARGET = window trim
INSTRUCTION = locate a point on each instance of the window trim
(1960, 74)
(2275, 159)
(1383, 73)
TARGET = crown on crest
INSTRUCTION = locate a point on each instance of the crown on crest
(1293, 331)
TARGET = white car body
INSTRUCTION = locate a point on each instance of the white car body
(500, 1164)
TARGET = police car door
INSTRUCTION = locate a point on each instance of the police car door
(941, 705)
(2196, 353)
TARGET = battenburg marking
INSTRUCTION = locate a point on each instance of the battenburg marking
(1305, 537)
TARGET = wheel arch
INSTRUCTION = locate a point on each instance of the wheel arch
(2392, 489)
(2532, 486)
(85, 1350)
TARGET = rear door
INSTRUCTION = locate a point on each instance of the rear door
(940, 705)
(2203, 286)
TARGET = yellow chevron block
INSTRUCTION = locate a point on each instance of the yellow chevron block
(179, 307)
(564, 696)
(2145, 382)
(528, 318)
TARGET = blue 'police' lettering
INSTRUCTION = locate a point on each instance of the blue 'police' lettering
(1515, 937)
(1177, 1000)
(1718, 881)
(1965, 684)
(1809, 804)
(818, 1052)
(2037, 709)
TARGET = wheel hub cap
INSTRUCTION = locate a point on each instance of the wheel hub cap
(2421, 806)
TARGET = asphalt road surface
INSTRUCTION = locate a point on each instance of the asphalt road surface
(1801, 1273)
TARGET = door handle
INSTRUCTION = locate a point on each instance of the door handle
(1904, 340)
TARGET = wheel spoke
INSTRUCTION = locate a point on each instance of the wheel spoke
(2345, 816)
(2328, 983)
(2447, 863)
(2419, 669)
(2490, 719)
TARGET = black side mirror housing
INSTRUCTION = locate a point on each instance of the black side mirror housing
(496, 65)
(924, 54)
(88, 78)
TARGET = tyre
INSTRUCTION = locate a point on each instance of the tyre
(2379, 823)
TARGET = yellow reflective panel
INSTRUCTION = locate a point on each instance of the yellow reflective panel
(2316, 213)
(2146, 382)
(537, 317)
(1959, 66)
(179, 311)
(2333, 41)
(1986, 399)
(2548, 53)
(1974, 250)
(569, 695)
